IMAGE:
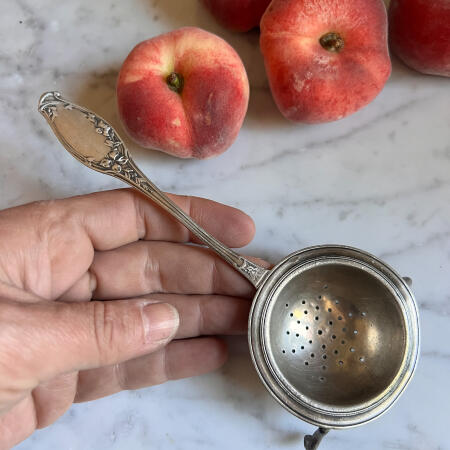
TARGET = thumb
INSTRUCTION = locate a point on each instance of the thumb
(47, 339)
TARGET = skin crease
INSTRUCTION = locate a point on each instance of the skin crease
(205, 118)
(237, 15)
(100, 293)
(419, 34)
(311, 84)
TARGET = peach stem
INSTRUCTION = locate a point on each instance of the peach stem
(175, 81)
(332, 42)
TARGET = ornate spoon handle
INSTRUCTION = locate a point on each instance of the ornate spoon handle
(138, 180)
(95, 143)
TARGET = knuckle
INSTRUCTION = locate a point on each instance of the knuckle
(214, 274)
(14, 359)
(141, 225)
(9, 329)
(151, 275)
(102, 330)
(121, 375)
(116, 331)
(45, 210)
(200, 316)
(54, 218)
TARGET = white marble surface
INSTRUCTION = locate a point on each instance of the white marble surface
(378, 180)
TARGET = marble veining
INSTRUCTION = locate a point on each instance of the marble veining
(378, 180)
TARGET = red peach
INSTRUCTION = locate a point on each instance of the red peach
(419, 34)
(325, 59)
(238, 15)
(185, 93)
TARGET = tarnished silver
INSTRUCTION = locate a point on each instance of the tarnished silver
(333, 331)
(334, 335)
(95, 143)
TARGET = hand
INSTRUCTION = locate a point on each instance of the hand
(58, 345)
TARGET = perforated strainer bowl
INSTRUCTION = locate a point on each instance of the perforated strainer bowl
(333, 331)
(334, 336)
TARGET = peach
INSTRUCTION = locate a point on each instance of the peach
(325, 59)
(237, 15)
(184, 92)
(419, 34)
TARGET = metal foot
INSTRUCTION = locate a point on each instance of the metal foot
(312, 441)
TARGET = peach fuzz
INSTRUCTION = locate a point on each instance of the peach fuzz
(184, 92)
(325, 59)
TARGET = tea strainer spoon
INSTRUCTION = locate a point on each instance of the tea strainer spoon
(333, 331)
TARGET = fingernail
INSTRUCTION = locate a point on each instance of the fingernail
(161, 322)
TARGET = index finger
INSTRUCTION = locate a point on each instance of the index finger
(114, 218)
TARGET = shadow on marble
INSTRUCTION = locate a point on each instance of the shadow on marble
(98, 93)
(263, 112)
(289, 438)
(401, 73)
(239, 369)
(255, 399)
(400, 70)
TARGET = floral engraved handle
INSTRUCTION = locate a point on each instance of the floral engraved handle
(95, 143)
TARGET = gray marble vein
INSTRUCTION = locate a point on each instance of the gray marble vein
(378, 180)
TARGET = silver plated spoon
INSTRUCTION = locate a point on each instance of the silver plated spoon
(333, 330)
(95, 143)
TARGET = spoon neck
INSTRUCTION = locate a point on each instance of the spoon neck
(250, 270)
